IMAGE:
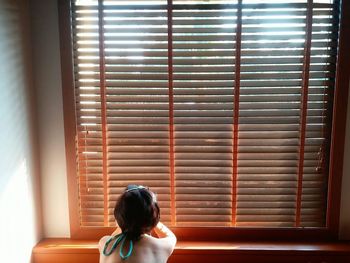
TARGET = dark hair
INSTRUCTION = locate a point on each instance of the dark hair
(137, 211)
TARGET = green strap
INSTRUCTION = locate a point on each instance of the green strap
(131, 246)
(118, 238)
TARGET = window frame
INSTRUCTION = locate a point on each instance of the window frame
(336, 159)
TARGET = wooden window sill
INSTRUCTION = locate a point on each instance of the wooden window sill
(69, 251)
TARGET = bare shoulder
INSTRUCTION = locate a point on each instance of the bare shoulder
(167, 239)
(166, 244)
(102, 242)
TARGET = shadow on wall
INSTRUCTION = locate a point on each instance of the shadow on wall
(20, 212)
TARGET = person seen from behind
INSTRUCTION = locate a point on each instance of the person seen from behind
(137, 214)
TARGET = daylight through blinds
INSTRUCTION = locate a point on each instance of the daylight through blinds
(223, 108)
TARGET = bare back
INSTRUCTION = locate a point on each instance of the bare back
(146, 250)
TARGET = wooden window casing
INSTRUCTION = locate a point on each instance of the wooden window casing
(206, 232)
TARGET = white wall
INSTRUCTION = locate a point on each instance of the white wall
(345, 199)
(20, 204)
(48, 83)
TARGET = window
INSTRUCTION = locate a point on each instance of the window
(223, 108)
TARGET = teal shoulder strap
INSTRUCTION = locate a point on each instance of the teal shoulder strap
(117, 239)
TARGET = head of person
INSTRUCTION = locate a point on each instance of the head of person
(137, 211)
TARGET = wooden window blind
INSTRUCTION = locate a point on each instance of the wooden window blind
(223, 108)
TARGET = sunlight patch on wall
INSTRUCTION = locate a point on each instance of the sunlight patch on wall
(17, 222)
